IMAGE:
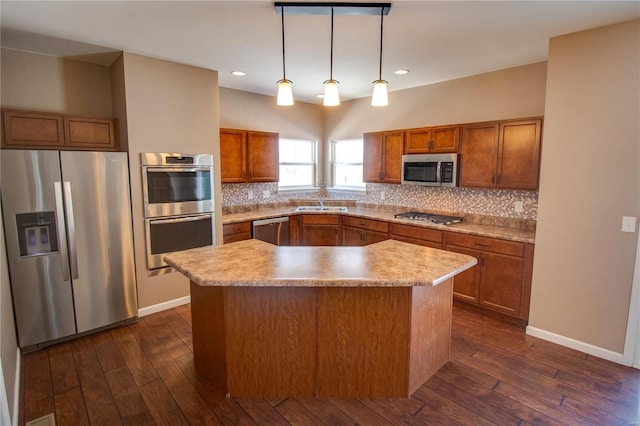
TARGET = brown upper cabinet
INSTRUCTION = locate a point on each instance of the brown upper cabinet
(431, 140)
(382, 160)
(36, 130)
(248, 156)
(501, 154)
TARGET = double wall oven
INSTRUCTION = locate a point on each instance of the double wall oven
(178, 203)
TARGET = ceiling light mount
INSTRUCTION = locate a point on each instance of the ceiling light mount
(326, 8)
(285, 92)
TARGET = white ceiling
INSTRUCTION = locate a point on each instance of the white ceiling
(435, 40)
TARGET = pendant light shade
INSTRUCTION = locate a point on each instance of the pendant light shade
(331, 95)
(380, 97)
(285, 91)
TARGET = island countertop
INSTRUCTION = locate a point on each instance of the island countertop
(256, 263)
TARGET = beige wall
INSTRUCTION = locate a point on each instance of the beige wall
(590, 178)
(169, 107)
(510, 93)
(244, 110)
(44, 83)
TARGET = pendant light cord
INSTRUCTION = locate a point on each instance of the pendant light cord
(284, 71)
(331, 59)
(381, 27)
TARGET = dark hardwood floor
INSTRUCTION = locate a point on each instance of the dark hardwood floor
(143, 374)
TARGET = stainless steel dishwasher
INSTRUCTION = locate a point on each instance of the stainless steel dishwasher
(274, 230)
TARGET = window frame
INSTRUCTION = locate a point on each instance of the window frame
(334, 163)
(313, 163)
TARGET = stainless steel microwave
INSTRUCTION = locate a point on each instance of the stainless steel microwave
(430, 169)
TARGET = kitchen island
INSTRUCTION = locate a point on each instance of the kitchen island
(274, 321)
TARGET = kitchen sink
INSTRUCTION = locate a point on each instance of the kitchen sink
(321, 209)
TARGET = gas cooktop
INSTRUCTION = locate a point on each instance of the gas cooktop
(429, 217)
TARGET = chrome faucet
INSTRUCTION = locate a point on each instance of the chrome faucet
(321, 202)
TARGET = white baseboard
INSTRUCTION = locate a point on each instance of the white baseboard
(148, 310)
(576, 344)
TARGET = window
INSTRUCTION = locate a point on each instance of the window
(297, 163)
(346, 159)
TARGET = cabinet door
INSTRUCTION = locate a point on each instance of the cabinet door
(320, 235)
(519, 154)
(466, 285)
(32, 130)
(417, 141)
(371, 237)
(233, 155)
(393, 146)
(372, 157)
(352, 236)
(89, 133)
(478, 155)
(445, 139)
(263, 157)
(501, 283)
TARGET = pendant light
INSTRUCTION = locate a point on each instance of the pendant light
(380, 97)
(331, 96)
(285, 92)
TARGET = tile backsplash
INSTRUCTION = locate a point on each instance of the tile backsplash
(487, 202)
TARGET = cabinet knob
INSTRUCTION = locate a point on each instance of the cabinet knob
(493, 178)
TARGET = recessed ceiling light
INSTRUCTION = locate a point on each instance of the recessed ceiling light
(238, 73)
(401, 72)
(320, 96)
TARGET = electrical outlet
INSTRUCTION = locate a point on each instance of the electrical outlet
(518, 206)
(382, 195)
(266, 193)
(628, 224)
(250, 195)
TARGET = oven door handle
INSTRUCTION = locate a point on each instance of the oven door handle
(177, 169)
(180, 219)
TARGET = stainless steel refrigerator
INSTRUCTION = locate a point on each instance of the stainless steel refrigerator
(68, 231)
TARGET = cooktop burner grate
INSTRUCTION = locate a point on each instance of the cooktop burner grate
(429, 217)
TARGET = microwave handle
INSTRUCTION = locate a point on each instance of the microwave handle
(438, 173)
(178, 169)
(181, 219)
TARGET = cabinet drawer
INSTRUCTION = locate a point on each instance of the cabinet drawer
(373, 225)
(236, 228)
(512, 248)
(320, 219)
(416, 232)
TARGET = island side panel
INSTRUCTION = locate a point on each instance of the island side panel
(430, 331)
(271, 341)
(363, 341)
(207, 319)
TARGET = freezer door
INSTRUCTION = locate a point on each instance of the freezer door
(40, 281)
(98, 206)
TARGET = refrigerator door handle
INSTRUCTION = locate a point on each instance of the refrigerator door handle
(68, 206)
(57, 189)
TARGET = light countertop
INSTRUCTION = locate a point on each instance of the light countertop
(490, 227)
(254, 263)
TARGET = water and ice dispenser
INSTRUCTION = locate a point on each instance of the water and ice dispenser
(37, 233)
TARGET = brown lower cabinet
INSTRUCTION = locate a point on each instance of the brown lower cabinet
(361, 232)
(320, 230)
(501, 281)
(239, 231)
(416, 235)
